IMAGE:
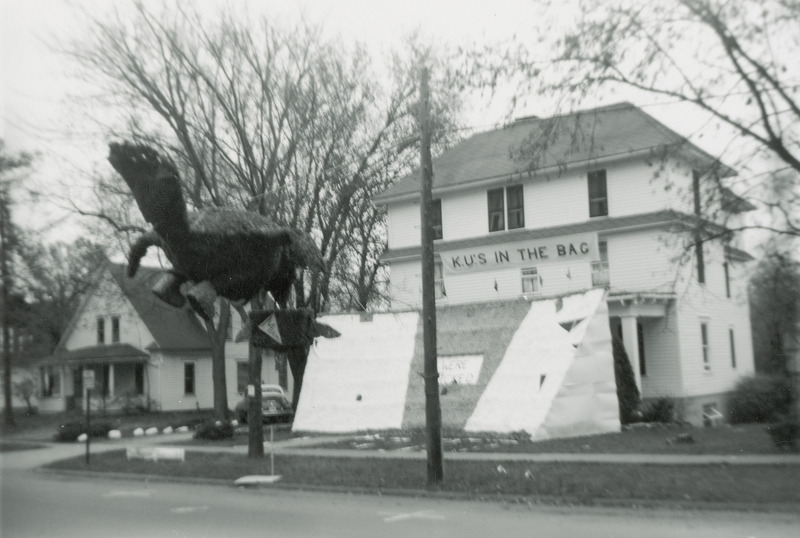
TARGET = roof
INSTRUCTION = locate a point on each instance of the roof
(111, 353)
(611, 224)
(172, 328)
(580, 139)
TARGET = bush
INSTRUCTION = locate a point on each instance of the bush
(661, 410)
(70, 431)
(627, 392)
(760, 398)
(214, 430)
(785, 434)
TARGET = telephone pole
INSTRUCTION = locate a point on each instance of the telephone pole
(433, 411)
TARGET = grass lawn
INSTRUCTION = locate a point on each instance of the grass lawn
(572, 482)
(728, 440)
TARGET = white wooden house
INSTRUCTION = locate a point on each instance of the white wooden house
(143, 352)
(613, 199)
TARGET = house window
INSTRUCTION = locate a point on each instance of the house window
(733, 348)
(531, 281)
(436, 218)
(438, 281)
(696, 191)
(598, 195)
(516, 209)
(497, 221)
(701, 265)
(726, 268)
(502, 198)
(705, 346)
(101, 330)
(188, 378)
(600, 273)
(115, 329)
(138, 378)
(50, 381)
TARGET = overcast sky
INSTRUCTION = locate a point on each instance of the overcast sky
(38, 117)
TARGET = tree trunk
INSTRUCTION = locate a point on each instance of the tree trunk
(216, 336)
(6, 283)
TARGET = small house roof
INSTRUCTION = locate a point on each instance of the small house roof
(580, 139)
(172, 328)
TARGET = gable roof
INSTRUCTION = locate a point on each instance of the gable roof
(172, 328)
(580, 139)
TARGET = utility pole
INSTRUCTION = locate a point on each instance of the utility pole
(433, 411)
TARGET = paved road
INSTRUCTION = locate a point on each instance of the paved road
(38, 504)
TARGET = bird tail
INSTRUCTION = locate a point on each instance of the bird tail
(139, 249)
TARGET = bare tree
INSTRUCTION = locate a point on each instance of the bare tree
(266, 119)
(733, 61)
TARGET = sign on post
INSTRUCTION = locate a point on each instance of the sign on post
(88, 379)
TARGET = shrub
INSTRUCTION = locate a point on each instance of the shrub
(760, 398)
(627, 391)
(70, 431)
(661, 410)
(785, 434)
(214, 430)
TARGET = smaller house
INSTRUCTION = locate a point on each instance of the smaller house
(144, 353)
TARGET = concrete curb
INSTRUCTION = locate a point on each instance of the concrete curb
(530, 501)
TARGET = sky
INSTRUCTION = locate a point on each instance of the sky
(37, 114)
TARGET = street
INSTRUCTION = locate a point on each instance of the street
(36, 504)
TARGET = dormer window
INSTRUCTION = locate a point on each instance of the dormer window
(506, 205)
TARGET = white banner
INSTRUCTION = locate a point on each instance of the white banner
(564, 249)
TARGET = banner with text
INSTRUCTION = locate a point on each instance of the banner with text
(563, 249)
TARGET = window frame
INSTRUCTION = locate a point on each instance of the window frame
(115, 329)
(531, 275)
(595, 178)
(515, 216)
(436, 218)
(705, 345)
(189, 379)
(497, 222)
(439, 290)
(101, 330)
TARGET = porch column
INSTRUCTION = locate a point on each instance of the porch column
(630, 339)
(111, 380)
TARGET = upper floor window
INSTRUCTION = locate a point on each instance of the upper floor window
(436, 218)
(727, 270)
(600, 272)
(506, 205)
(438, 281)
(598, 194)
(733, 348)
(701, 264)
(705, 346)
(101, 330)
(115, 329)
(696, 175)
(531, 281)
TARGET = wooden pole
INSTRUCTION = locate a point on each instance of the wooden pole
(255, 427)
(433, 412)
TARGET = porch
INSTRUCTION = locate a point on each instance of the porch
(120, 377)
(641, 322)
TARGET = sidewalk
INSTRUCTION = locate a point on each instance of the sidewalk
(34, 458)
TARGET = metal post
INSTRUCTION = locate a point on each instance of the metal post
(433, 412)
(272, 449)
(88, 423)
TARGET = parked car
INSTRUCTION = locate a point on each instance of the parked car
(275, 407)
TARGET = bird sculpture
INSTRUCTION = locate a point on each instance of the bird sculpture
(213, 252)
